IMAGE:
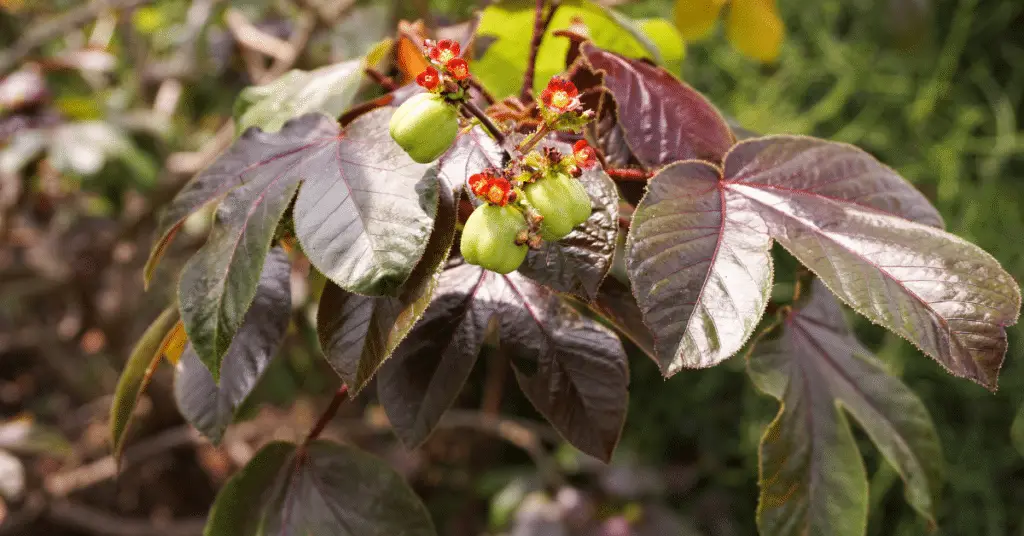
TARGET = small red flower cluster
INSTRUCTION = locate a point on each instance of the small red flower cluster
(493, 189)
(444, 55)
(560, 96)
(584, 154)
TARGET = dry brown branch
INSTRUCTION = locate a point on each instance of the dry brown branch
(100, 523)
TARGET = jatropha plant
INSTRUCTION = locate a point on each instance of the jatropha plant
(443, 219)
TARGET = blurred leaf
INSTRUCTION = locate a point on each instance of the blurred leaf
(24, 436)
(579, 262)
(572, 369)
(755, 28)
(668, 40)
(210, 407)
(136, 375)
(812, 478)
(321, 488)
(23, 87)
(329, 90)
(508, 26)
(23, 149)
(12, 477)
(837, 210)
(358, 333)
(664, 120)
(700, 262)
(696, 18)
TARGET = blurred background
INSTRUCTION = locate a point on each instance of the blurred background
(108, 107)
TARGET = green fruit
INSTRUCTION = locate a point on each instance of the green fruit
(489, 238)
(425, 126)
(562, 200)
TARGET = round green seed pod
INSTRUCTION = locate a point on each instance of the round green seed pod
(425, 126)
(489, 238)
(562, 200)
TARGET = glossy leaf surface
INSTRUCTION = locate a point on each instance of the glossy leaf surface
(358, 333)
(472, 152)
(364, 222)
(664, 120)
(812, 478)
(572, 369)
(700, 263)
(839, 212)
(325, 489)
(211, 407)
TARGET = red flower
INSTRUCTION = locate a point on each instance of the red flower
(478, 183)
(429, 78)
(560, 95)
(584, 154)
(458, 68)
(444, 51)
(498, 191)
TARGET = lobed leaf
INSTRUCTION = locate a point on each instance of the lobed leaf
(364, 222)
(843, 216)
(210, 407)
(358, 333)
(812, 478)
(578, 263)
(472, 152)
(700, 263)
(321, 488)
(260, 174)
(136, 375)
(572, 369)
(664, 120)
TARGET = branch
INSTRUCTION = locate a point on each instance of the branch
(381, 79)
(100, 523)
(37, 35)
(327, 415)
(476, 112)
(627, 174)
(540, 24)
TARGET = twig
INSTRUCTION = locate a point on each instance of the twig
(532, 140)
(251, 37)
(93, 521)
(526, 92)
(381, 79)
(475, 84)
(476, 112)
(38, 35)
(304, 27)
(64, 483)
(332, 409)
(352, 113)
(628, 174)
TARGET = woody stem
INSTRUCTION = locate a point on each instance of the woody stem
(485, 121)
(530, 142)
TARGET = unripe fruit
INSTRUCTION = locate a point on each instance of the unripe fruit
(489, 238)
(562, 200)
(425, 126)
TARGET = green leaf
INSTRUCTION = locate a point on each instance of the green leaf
(812, 478)
(669, 41)
(329, 90)
(507, 27)
(358, 333)
(136, 375)
(24, 436)
(321, 488)
(211, 407)
(701, 267)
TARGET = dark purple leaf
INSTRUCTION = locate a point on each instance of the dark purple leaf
(664, 119)
(322, 488)
(358, 333)
(838, 212)
(616, 304)
(700, 263)
(571, 368)
(211, 407)
(365, 219)
(258, 177)
(579, 262)
(472, 152)
(830, 170)
(812, 477)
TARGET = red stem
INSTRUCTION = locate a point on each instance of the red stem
(476, 112)
(382, 80)
(627, 174)
(531, 65)
(327, 415)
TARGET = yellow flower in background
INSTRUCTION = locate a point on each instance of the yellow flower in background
(752, 26)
